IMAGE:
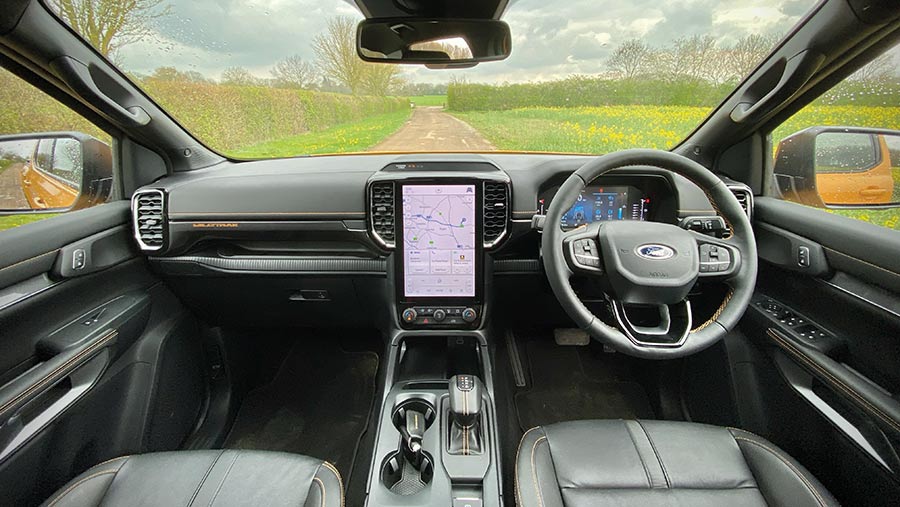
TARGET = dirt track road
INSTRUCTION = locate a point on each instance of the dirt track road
(11, 196)
(431, 129)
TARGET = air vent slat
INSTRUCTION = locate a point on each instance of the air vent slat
(744, 197)
(149, 219)
(381, 212)
(495, 213)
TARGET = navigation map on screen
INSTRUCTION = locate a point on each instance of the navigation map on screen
(439, 240)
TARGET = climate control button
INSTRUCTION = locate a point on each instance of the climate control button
(439, 315)
(409, 315)
(469, 315)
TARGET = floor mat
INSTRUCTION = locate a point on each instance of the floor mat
(318, 404)
(574, 383)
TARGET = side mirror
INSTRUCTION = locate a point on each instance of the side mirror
(435, 43)
(53, 171)
(839, 167)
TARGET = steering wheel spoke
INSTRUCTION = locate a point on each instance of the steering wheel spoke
(582, 250)
(664, 325)
(719, 259)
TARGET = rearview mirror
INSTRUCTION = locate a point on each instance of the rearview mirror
(840, 166)
(453, 43)
(53, 171)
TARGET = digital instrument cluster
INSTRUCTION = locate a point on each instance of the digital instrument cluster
(601, 203)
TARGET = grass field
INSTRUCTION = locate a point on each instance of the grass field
(889, 218)
(585, 129)
(429, 100)
(10, 221)
(344, 138)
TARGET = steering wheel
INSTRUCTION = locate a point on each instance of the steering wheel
(647, 269)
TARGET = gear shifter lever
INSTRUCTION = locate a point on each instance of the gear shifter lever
(413, 431)
(465, 413)
(465, 400)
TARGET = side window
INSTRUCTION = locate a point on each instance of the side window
(841, 153)
(52, 160)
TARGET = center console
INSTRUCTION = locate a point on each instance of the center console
(437, 436)
(437, 442)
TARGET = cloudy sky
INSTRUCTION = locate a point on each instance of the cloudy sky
(550, 39)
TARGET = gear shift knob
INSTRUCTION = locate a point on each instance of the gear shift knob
(465, 400)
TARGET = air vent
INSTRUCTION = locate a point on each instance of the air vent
(744, 196)
(496, 212)
(381, 212)
(148, 208)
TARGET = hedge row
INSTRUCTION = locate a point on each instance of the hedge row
(578, 91)
(232, 117)
(225, 117)
(24, 109)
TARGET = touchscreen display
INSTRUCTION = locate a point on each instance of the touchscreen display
(439, 240)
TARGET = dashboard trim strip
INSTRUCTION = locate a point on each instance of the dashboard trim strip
(318, 265)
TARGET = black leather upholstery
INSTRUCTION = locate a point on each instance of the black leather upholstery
(206, 478)
(649, 463)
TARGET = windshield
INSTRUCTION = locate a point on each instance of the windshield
(280, 78)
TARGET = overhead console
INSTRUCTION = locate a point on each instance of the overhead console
(439, 218)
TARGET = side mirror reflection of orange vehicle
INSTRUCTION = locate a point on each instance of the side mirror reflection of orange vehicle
(53, 171)
(839, 167)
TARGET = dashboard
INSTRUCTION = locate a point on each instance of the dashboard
(428, 235)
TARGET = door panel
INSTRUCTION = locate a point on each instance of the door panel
(828, 319)
(88, 336)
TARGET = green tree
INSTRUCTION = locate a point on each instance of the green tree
(293, 72)
(631, 59)
(238, 76)
(335, 50)
(109, 25)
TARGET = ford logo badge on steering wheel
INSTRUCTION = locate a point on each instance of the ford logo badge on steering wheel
(655, 252)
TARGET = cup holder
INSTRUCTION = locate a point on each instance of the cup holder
(401, 477)
(419, 405)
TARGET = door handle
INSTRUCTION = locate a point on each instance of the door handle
(872, 192)
(35, 398)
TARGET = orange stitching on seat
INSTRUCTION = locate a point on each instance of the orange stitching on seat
(322, 487)
(788, 463)
(110, 461)
(338, 475)
(519, 449)
(534, 471)
(799, 354)
(79, 483)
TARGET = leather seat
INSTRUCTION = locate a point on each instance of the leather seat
(649, 463)
(206, 478)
